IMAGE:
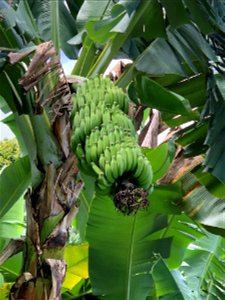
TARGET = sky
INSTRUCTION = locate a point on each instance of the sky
(5, 132)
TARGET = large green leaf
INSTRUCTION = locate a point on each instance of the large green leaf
(160, 158)
(12, 267)
(192, 139)
(202, 205)
(48, 150)
(204, 268)
(74, 6)
(4, 106)
(178, 55)
(12, 93)
(14, 180)
(215, 107)
(193, 89)
(12, 223)
(200, 15)
(119, 22)
(211, 183)
(122, 247)
(9, 33)
(88, 17)
(154, 95)
(164, 197)
(101, 31)
(21, 127)
(167, 64)
(180, 227)
(76, 257)
(55, 23)
(27, 23)
(89, 11)
(190, 36)
(170, 284)
(121, 250)
(132, 18)
(85, 199)
(152, 24)
(176, 13)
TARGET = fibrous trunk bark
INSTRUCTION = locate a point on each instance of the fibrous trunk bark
(50, 210)
(50, 207)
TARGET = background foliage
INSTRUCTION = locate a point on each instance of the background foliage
(9, 152)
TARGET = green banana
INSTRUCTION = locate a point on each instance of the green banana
(104, 138)
(103, 185)
(96, 169)
(100, 147)
(129, 159)
(93, 152)
(76, 121)
(75, 138)
(120, 164)
(92, 137)
(82, 130)
(114, 167)
(88, 151)
(104, 182)
(134, 153)
(85, 167)
(79, 151)
(101, 162)
(107, 154)
(106, 117)
(140, 166)
(145, 178)
(86, 111)
(105, 141)
(88, 125)
(80, 101)
(108, 173)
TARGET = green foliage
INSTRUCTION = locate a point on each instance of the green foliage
(173, 69)
(9, 152)
(204, 267)
(14, 181)
(170, 284)
(155, 96)
(163, 252)
(77, 267)
(202, 205)
(54, 22)
(160, 158)
(126, 246)
(12, 226)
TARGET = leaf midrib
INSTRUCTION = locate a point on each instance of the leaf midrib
(130, 258)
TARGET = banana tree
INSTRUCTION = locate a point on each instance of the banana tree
(38, 97)
(175, 52)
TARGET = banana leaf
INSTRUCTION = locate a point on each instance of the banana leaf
(204, 268)
(122, 248)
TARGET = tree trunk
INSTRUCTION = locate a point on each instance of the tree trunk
(50, 211)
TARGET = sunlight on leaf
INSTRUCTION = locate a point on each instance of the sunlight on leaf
(77, 264)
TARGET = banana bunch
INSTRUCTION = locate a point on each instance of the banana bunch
(104, 138)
